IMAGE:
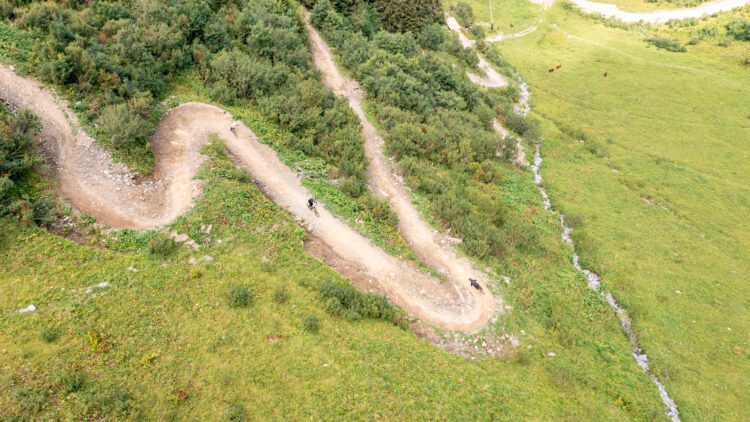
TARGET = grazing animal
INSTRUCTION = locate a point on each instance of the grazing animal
(558, 66)
(550, 70)
(511, 24)
(476, 285)
(606, 73)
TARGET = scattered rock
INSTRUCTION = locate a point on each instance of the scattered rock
(184, 238)
(179, 238)
(506, 279)
(132, 269)
(102, 285)
(678, 292)
(551, 354)
(30, 308)
(206, 228)
(205, 258)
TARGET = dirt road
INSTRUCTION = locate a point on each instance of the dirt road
(660, 16)
(434, 249)
(94, 184)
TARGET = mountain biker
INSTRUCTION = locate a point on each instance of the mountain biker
(233, 128)
(475, 285)
(311, 205)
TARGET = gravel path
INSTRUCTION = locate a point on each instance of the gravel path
(660, 16)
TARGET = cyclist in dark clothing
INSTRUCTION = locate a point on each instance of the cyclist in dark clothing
(311, 204)
(476, 285)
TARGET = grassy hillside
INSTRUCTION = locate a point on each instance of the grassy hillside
(161, 340)
(126, 327)
(650, 164)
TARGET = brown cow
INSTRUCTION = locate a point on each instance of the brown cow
(558, 66)
(606, 73)
(511, 24)
(551, 70)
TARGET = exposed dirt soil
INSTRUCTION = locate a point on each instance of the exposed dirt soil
(433, 248)
(94, 184)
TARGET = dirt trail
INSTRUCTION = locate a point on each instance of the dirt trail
(94, 184)
(492, 78)
(660, 16)
(434, 249)
(512, 36)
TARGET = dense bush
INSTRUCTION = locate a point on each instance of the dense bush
(464, 14)
(310, 324)
(667, 44)
(18, 157)
(162, 245)
(477, 32)
(239, 296)
(50, 335)
(119, 56)
(73, 381)
(345, 301)
(739, 29)
(236, 413)
(437, 124)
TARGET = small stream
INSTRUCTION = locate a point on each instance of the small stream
(594, 280)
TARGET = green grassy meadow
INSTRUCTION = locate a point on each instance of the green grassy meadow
(650, 163)
(162, 341)
(521, 14)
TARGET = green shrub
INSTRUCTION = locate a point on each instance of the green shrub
(667, 44)
(310, 324)
(346, 301)
(50, 335)
(464, 14)
(17, 160)
(73, 382)
(43, 211)
(236, 413)
(523, 357)
(31, 399)
(523, 126)
(116, 402)
(739, 29)
(408, 15)
(477, 32)
(221, 93)
(162, 246)
(239, 296)
(123, 126)
(280, 295)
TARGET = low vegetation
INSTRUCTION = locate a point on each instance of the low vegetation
(266, 332)
(437, 124)
(19, 195)
(667, 44)
(653, 179)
